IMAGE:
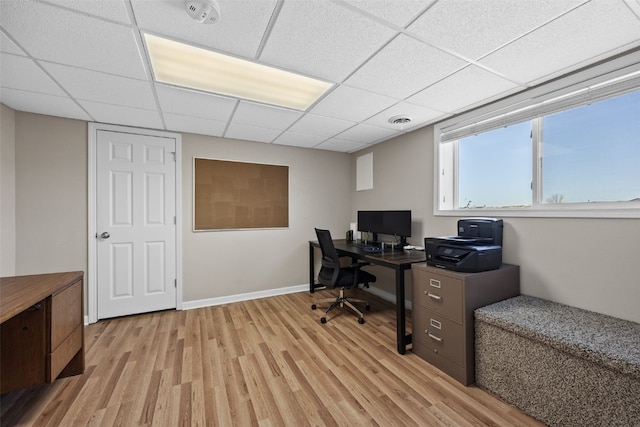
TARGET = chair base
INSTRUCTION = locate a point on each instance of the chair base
(341, 301)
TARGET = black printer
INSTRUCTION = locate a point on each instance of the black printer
(477, 247)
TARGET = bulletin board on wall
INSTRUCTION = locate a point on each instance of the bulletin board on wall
(238, 195)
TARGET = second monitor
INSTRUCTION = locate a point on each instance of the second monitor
(393, 223)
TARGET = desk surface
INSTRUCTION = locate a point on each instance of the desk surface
(21, 292)
(392, 259)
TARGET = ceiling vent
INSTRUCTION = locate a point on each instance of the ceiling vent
(203, 11)
(400, 120)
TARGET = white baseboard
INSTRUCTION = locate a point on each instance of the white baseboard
(209, 302)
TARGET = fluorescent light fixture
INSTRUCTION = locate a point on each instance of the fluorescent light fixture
(196, 68)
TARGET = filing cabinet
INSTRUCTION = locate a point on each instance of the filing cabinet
(442, 306)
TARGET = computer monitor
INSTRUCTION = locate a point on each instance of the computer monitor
(394, 223)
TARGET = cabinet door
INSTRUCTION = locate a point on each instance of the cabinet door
(66, 313)
(23, 350)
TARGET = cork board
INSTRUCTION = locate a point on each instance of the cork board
(238, 195)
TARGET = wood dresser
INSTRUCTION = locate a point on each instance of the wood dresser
(443, 305)
(42, 329)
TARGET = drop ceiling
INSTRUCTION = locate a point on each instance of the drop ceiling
(427, 60)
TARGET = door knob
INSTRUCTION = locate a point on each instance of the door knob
(105, 235)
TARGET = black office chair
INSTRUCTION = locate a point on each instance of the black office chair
(332, 274)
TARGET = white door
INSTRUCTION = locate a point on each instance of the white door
(135, 223)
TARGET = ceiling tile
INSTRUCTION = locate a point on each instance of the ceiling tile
(42, 104)
(193, 103)
(596, 28)
(114, 10)
(322, 39)
(198, 125)
(342, 145)
(260, 115)
(106, 88)
(119, 115)
(296, 139)
(18, 72)
(8, 46)
(319, 125)
(61, 36)
(239, 30)
(404, 67)
(419, 116)
(462, 89)
(475, 28)
(351, 103)
(367, 134)
(251, 133)
(397, 12)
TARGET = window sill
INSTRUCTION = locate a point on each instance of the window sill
(568, 212)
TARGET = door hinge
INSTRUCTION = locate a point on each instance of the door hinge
(175, 221)
(175, 283)
(174, 156)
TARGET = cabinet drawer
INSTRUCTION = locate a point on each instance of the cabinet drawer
(66, 313)
(60, 357)
(440, 335)
(438, 293)
(457, 372)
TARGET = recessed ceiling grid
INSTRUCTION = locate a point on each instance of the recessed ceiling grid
(423, 59)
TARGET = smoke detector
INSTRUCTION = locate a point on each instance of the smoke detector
(203, 11)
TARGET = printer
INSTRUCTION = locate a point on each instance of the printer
(477, 247)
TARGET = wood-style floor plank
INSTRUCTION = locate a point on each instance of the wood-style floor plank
(266, 362)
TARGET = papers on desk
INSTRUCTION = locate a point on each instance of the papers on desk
(414, 248)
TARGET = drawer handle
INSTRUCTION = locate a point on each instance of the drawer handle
(35, 307)
(436, 324)
(435, 283)
(434, 337)
(434, 296)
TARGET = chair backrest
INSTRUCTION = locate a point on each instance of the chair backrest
(328, 274)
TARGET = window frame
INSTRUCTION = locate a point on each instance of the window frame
(445, 195)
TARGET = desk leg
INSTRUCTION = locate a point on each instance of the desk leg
(401, 322)
(312, 263)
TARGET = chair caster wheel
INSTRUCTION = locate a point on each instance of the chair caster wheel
(323, 320)
(361, 320)
(313, 307)
(367, 307)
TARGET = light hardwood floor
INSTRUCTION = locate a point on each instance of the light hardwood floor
(266, 362)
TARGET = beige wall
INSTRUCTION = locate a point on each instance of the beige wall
(588, 263)
(51, 194)
(7, 192)
(51, 208)
(223, 263)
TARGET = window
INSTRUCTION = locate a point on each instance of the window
(573, 153)
(495, 168)
(592, 153)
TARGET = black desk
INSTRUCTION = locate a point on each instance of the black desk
(399, 261)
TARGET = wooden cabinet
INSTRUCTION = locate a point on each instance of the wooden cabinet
(42, 329)
(443, 304)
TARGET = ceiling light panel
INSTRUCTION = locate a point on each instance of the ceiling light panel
(193, 67)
